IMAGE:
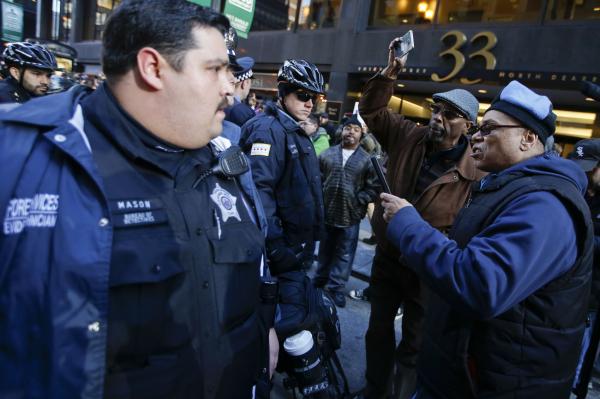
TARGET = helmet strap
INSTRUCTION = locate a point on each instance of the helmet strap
(21, 75)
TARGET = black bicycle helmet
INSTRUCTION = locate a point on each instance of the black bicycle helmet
(29, 55)
(302, 74)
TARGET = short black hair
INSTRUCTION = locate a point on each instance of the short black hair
(314, 118)
(163, 25)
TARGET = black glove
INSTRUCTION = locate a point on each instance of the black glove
(282, 259)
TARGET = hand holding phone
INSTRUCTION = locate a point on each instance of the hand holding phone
(404, 45)
(397, 51)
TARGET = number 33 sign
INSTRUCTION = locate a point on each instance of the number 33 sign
(459, 58)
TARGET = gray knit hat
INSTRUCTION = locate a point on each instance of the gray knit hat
(462, 100)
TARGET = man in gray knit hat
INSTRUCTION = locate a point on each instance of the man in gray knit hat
(431, 166)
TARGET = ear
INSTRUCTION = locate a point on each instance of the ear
(151, 67)
(528, 140)
(15, 72)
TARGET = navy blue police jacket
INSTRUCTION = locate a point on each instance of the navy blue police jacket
(56, 244)
(239, 113)
(286, 173)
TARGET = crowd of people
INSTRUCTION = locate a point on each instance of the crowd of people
(158, 227)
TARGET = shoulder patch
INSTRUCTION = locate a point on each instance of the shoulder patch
(260, 149)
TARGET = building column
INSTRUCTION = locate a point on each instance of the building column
(44, 19)
(76, 21)
(338, 86)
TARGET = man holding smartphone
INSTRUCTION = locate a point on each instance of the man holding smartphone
(431, 166)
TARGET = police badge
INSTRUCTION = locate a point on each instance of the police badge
(226, 203)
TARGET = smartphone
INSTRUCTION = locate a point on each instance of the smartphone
(380, 175)
(404, 45)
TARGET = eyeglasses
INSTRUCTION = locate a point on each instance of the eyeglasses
(305, 96)
(446, 113)
(488, 128)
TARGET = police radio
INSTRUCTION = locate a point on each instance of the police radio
(229, 163)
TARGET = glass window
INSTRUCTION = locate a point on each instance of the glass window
(398, 12)
(274, 15)
(61, 19)
(315, 14)
(573, 9)
(95, 15)
(453, 11)
(103, 9)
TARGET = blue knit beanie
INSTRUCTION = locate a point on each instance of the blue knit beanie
(531, 109)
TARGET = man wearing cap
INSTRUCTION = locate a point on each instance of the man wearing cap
(326, 124)
(512, 280)
(586, 154)
(349, 185)
(431, 166)
(240, 112)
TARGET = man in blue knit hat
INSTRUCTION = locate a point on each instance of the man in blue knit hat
(510, 283)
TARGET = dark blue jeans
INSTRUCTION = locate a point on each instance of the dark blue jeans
(336, 255)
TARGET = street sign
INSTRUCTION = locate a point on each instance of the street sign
(205, 3)
(240, 14)
(12, 21)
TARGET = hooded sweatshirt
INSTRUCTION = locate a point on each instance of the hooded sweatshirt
(529, 244)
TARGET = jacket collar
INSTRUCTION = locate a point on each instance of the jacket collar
(466, 167)
(287, 121)
(48, 111)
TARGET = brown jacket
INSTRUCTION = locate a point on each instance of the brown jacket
(404, 142)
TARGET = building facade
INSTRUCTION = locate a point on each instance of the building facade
(479, 45)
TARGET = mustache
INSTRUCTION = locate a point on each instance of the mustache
(223, 104)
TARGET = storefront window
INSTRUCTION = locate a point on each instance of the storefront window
(61, 19)
(103, 10)
(399, 12)
(95, 15)
(274, 15)
(457, 11)
(573, 9)
(315, 14)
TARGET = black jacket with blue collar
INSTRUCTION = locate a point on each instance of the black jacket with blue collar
(286, 173)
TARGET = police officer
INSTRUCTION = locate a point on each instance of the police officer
(240, 112)
(131, 267)
(285, 167)
(29, 68)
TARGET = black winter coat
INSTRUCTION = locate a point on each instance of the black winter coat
(11, 92)
(285, 170)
